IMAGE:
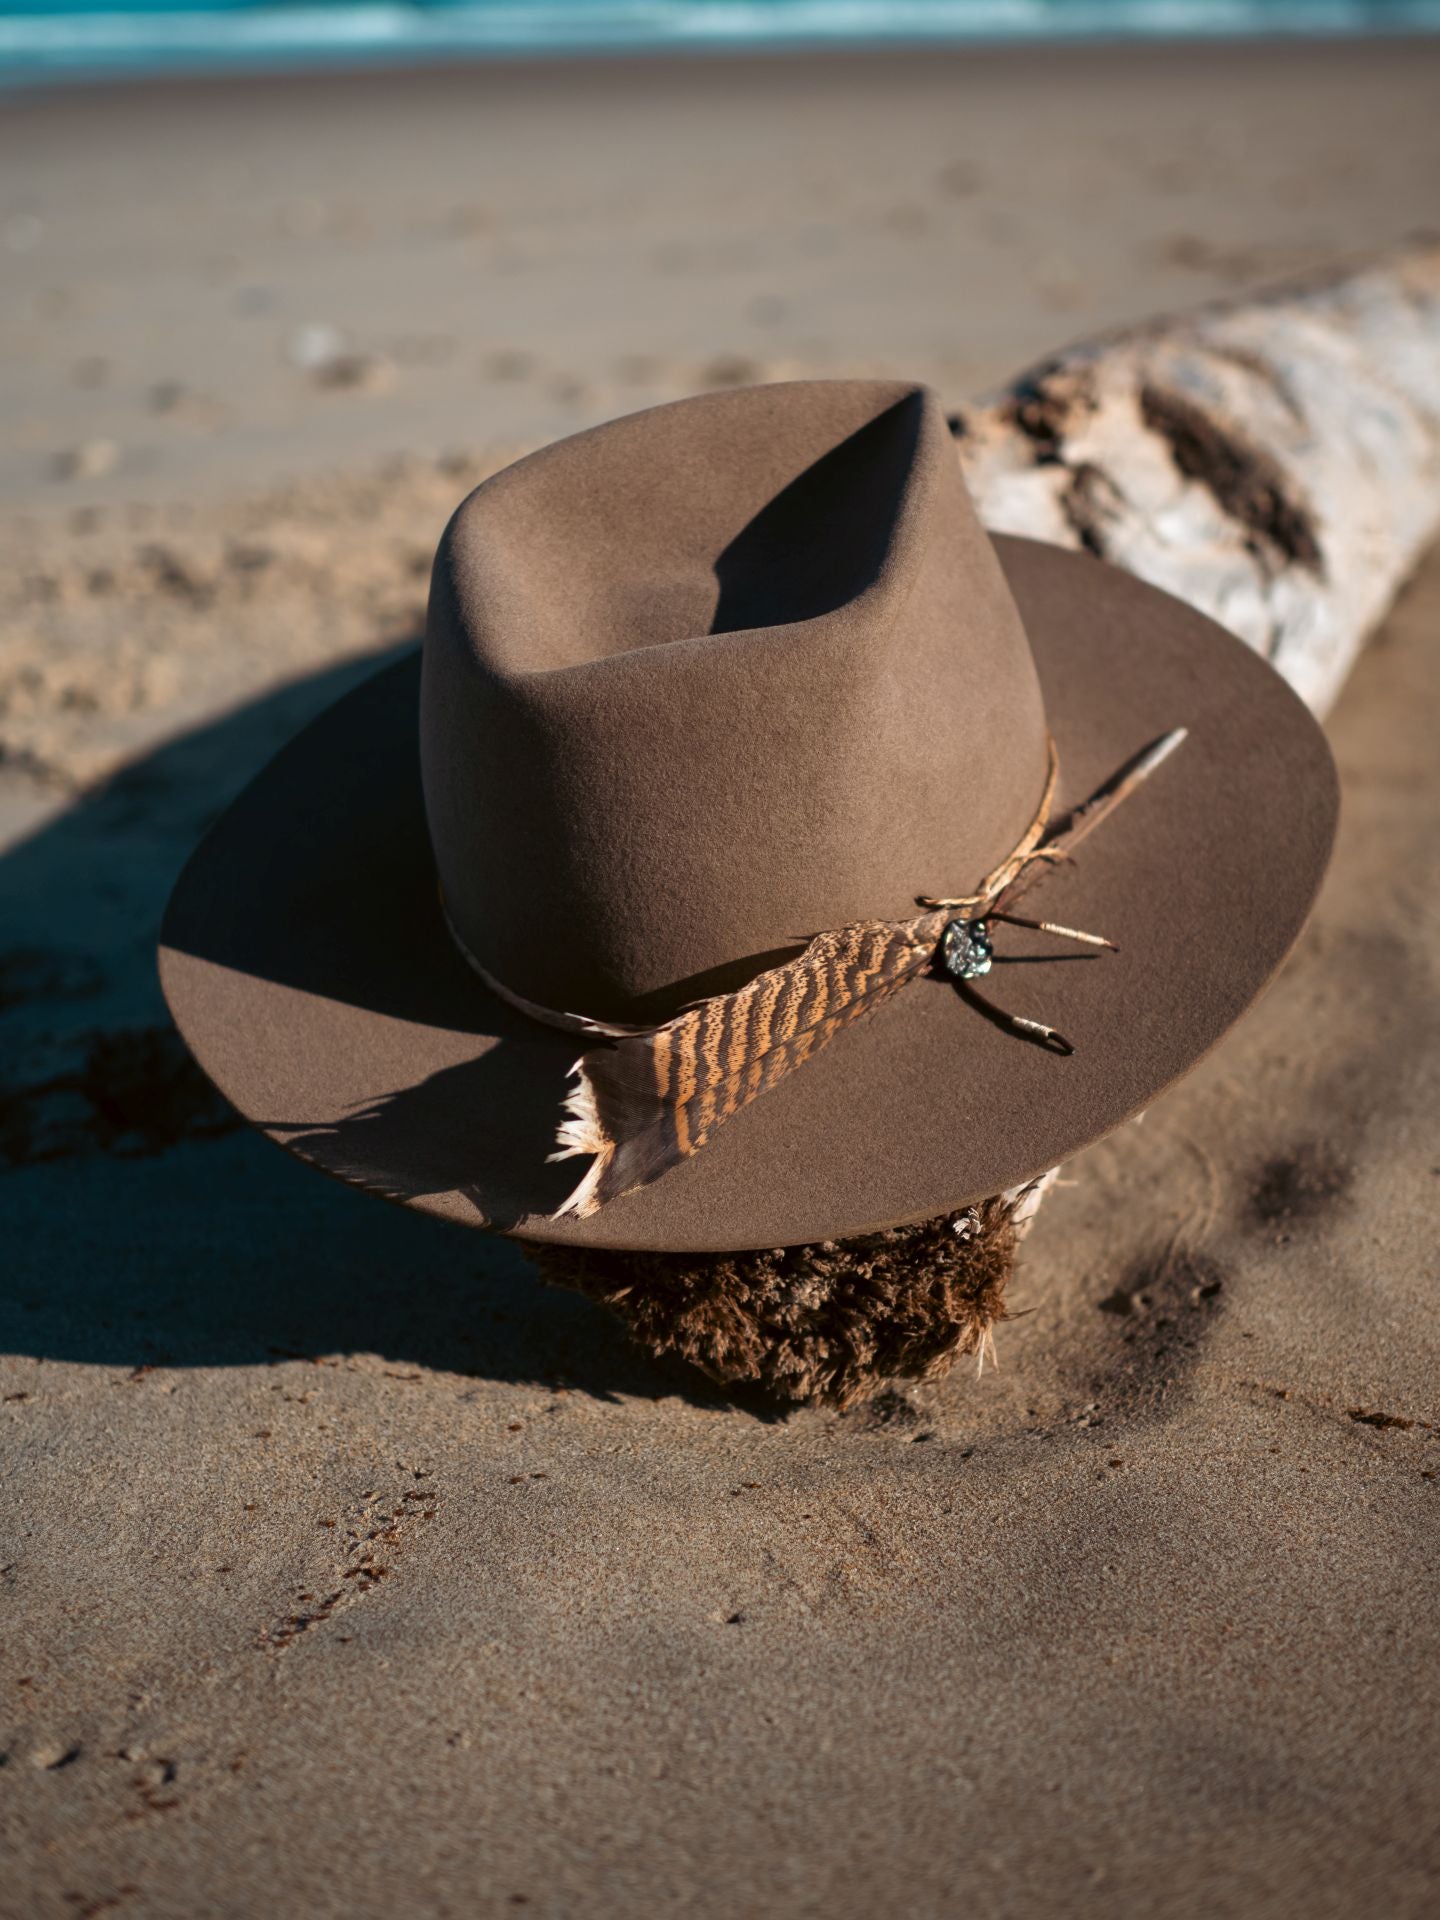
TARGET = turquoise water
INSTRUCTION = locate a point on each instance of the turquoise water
(42, 39)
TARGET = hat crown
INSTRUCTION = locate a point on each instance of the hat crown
(712, 678)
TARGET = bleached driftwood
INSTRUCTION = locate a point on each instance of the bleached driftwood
(1275, 460)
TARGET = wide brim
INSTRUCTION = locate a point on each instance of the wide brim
(308, 967)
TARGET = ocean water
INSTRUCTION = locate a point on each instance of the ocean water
(50, 39)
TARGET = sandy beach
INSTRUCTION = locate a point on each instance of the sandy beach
(344, 1568)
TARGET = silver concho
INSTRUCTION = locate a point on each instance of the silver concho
(965, 950)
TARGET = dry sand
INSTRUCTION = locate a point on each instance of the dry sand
(346, 1570)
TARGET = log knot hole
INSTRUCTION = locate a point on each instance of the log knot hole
(1246, 483)
(1042, 406)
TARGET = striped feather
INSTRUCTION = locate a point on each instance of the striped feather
(655, 1097)
(651, 1100)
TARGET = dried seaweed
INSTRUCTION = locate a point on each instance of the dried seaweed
(826, 1323)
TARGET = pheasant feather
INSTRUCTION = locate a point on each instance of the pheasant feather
(655, 1096)
(653, 1099)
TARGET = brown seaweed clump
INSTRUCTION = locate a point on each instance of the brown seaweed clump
(828, 1323)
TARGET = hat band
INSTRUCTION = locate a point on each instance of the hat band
(656, 1096)
(990, 888)
(580, 1023)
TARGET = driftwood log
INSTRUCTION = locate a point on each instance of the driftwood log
(1275, 461)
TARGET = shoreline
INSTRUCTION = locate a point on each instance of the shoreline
(748, 62)
(193, 48)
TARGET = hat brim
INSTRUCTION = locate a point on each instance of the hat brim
(307, 965)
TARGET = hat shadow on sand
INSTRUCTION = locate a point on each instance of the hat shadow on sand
(349, 916)
(148, 1227)
(428, 1138)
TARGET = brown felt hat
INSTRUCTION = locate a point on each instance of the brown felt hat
(697, 685)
